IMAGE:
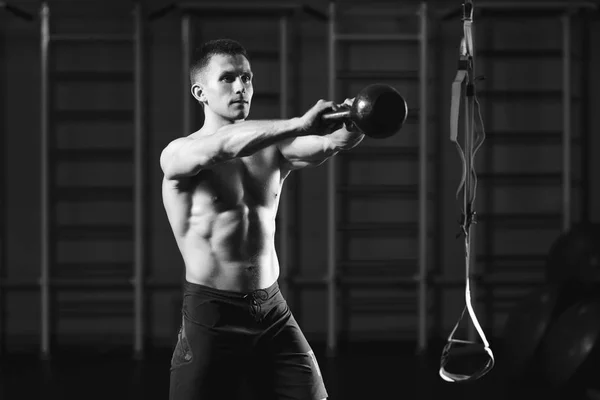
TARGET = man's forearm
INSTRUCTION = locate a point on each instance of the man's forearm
(247, 137)
(343, 139)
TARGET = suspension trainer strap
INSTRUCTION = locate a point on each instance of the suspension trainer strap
(468, 185)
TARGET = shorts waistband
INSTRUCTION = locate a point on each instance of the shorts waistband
(190, 288)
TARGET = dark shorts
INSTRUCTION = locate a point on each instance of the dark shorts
(241, 346)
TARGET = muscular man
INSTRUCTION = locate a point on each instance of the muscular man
(221, 187)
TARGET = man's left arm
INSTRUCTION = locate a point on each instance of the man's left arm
(311, 151)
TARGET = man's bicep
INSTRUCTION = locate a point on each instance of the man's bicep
(185, 157)
(306, 151)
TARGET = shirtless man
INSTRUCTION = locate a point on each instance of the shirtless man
(221, 187)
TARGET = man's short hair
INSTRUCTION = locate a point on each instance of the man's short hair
(203, 54)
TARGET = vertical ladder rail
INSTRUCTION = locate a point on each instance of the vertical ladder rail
(331, 203)
(423, 273)
(45, 186)
(585, 147)
(3, 231)
(139, 179)
(3, 242)
(566, 134)
(187, 56)
(283, 113)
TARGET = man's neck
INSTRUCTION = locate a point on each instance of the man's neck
(213, 123)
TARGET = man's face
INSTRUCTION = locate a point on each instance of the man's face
(225, 86)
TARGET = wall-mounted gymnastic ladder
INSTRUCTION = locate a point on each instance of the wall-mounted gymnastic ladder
(124, 189)
(410, 270)
(191, 14)
(283, 12)
(336, 228)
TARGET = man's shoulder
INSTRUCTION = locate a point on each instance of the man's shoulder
(177, 141)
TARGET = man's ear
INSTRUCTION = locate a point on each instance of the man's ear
(198, 92)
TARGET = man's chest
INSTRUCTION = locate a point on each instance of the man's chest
(252, 180)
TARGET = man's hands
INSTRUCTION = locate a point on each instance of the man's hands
(349, 125)
(313, 124)
(347, 135)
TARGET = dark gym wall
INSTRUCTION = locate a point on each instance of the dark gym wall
(21, 129)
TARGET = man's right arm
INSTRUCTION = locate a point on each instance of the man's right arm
(187, 156)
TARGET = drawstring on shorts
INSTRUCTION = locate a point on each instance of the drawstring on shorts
(256, 298)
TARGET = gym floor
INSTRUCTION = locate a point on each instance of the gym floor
(384, 371)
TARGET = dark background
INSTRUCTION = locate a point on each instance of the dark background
(520, 194)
